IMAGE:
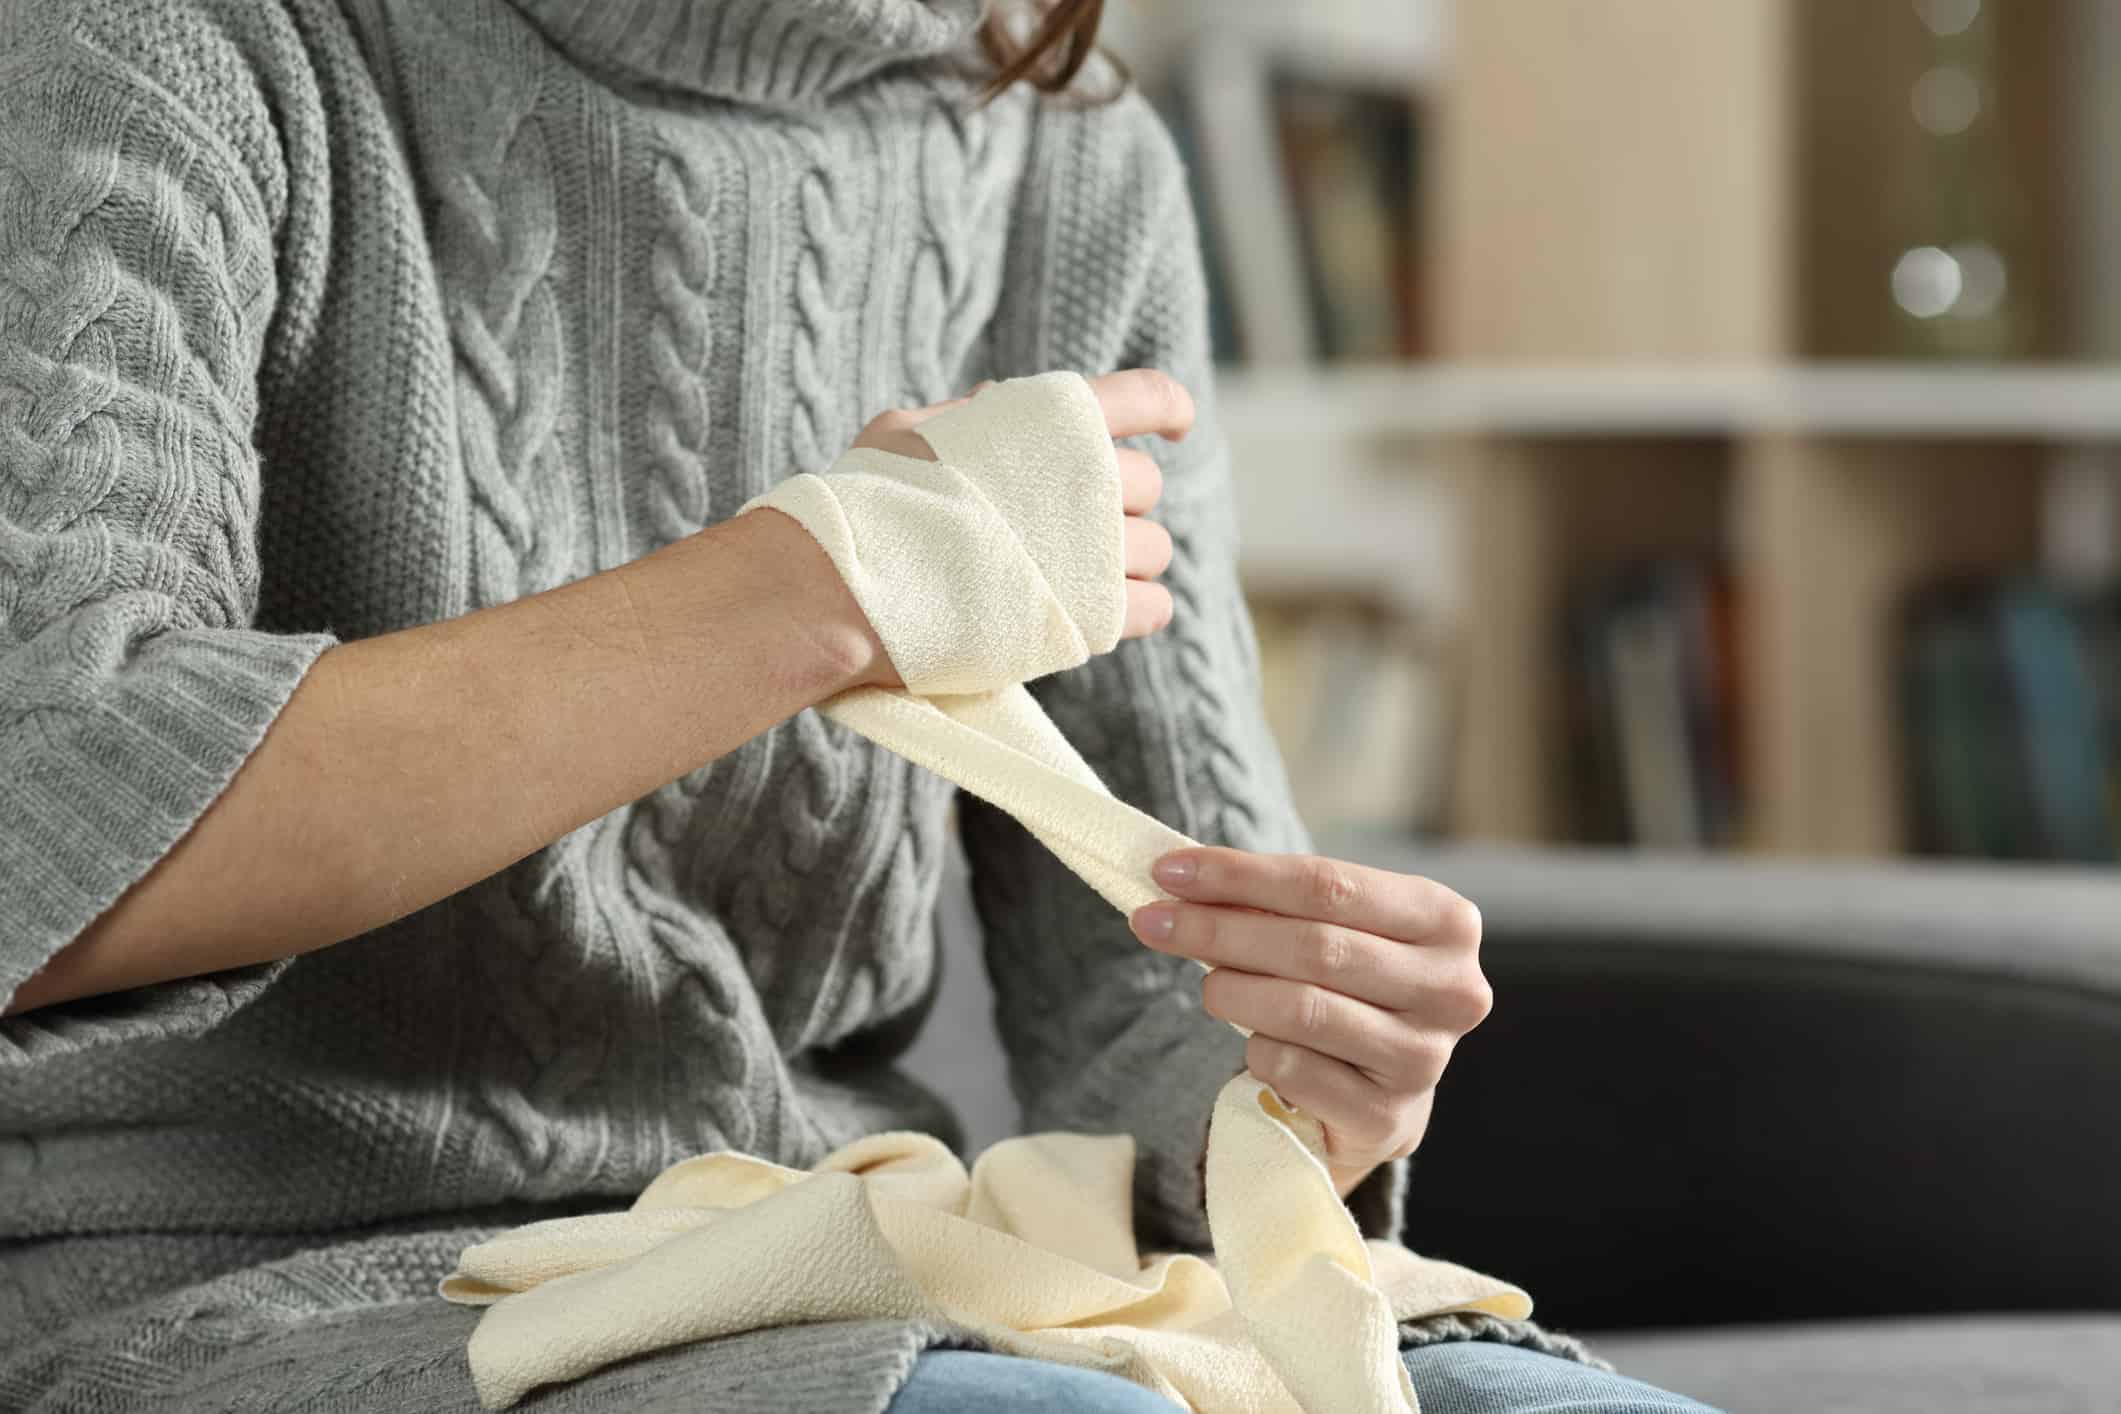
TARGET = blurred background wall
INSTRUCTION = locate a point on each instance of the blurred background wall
(1676, 424)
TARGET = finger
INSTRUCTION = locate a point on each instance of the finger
(1148, 552)
(1380, 971)
(1382, 1044)
(894, 430)
(1141, 481)
(1142, 401)
(1148, 609)
(1399, 906)
(1361, 1117)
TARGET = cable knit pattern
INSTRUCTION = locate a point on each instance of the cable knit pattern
(494, 247)
(829, 163)
(681, 346)
(321, 318)
(956, 266)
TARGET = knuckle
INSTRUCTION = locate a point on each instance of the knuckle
(1480, 1000)
(1272, 1060)
(1311, 1018)
(1330, 888)
(1461, 919)
(1181, 400)
(1173, 404)
(1330, 949)
(1378, 1114)
(1148, 608)
(1166, 606)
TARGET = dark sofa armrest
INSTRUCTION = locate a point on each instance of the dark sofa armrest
(1724, 1090)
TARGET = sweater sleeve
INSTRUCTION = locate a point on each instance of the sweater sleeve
(136, 282)
(1103, 1034)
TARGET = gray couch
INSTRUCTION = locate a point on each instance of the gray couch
(1785, 1137)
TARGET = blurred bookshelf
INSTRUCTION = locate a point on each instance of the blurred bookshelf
(1695, 426)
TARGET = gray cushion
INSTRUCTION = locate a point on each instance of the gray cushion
(2057, 1364)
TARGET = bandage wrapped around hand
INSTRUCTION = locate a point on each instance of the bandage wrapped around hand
(1001, 561)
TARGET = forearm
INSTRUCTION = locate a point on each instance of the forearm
(407, 766)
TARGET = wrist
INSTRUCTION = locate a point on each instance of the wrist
(841, 645)
(831, 645)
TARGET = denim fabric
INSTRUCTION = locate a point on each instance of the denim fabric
(1485, 1377)
(1452, 1377)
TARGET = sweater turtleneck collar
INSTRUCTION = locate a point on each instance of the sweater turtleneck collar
(762, 51)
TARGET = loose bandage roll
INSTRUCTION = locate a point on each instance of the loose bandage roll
(999, 562)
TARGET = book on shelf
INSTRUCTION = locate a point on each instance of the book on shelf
(1348, 167)
(1646, 659)
(2101, 621)
(1303, 177)
(2043, 653)
(1655, 706)
(1359, 702)
(2011, 711)
(1965, 791)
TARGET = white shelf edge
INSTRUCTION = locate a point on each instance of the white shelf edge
(2042, 402)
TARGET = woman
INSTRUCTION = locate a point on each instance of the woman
(414, 823)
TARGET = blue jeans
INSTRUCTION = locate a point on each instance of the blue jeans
(1455, 1377)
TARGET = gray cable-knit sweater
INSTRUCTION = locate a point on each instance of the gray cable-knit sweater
(324, 318)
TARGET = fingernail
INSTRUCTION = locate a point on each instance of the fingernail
(1155, 921)
(1175, 871)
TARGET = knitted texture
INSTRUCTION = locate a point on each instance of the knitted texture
(325, 318)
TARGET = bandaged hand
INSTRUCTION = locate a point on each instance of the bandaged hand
(1001, 536)
(1356, 984)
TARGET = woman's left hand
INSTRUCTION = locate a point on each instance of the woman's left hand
(1355, 982)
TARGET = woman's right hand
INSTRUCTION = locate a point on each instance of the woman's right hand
(1137, 402)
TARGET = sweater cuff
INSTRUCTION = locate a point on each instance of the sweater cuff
(1157, 1081)
(102, 788)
